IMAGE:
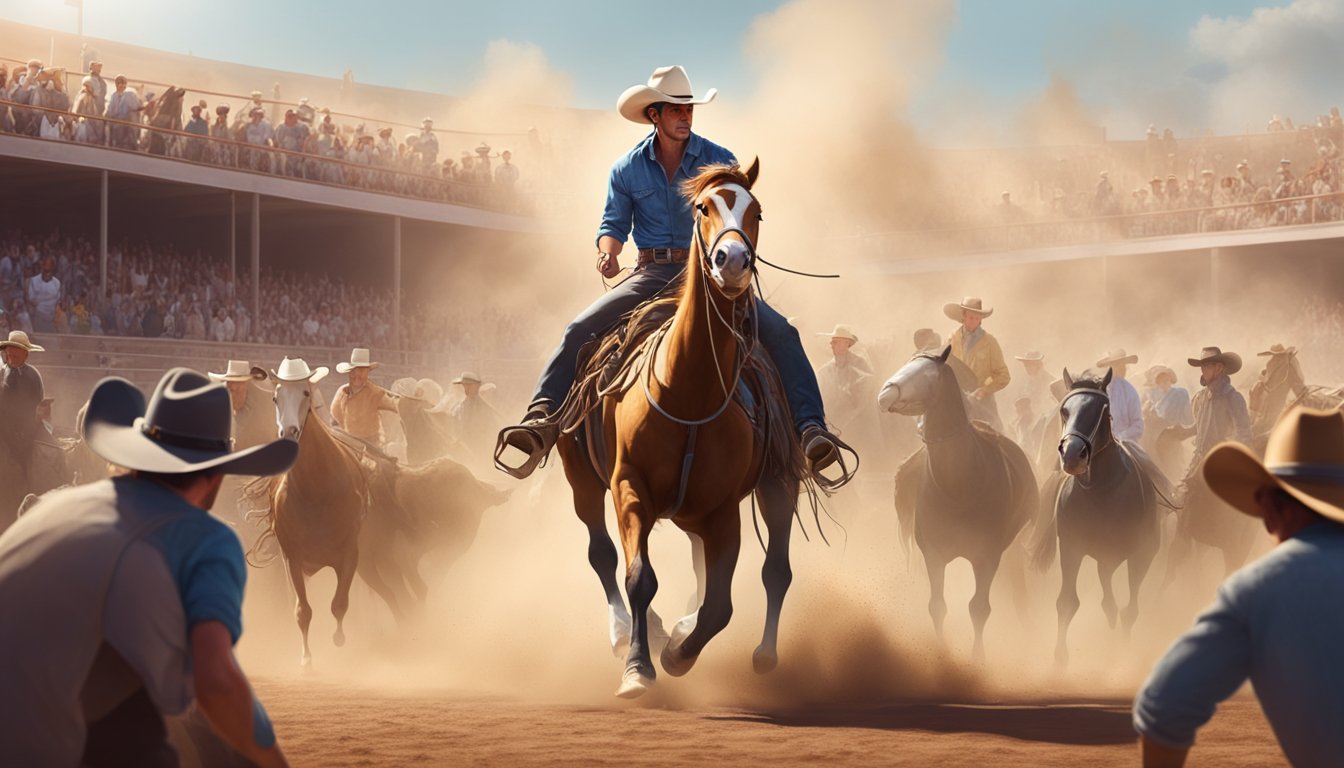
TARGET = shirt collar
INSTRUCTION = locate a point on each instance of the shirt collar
(694, 146)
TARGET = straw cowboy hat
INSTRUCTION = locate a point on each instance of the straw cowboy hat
(1215, 355)
(1116, 356)
(20, 339)
(186, 427)
(359, 358)
(842, 331)
(237, 370)
(296, 369)
(1304, 458)
(1277, 349)
(669, 84)
(968, 304)
(1030, 356)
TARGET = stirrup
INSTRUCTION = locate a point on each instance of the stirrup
(534, 438)
(830, 451)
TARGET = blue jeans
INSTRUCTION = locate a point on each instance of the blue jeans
(779, 338)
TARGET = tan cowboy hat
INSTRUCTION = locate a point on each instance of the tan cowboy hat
(842, 331)
(20, 339)
(430, 391)
(1304, 458)
(359, 358)
(970, 303)
(669, 84)
(237, 370)
(186, 427)
(1158, 370)
(1277, 349)
(468, 377)
(405, 387)
(927, 339)
(1030, 356)
(1215, 355)
(296, 369)
(1117, 356)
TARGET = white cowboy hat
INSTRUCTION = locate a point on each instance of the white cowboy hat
(238, 370)
(405, 387)
(186, 427)
(1304, 458)
(359, 358)
(468, 377)
(430, 391)
(1030, 356)
(1117, 356)
(296, 369)
(20, 339)
(842, 331)
(669, 84)
(971, 303)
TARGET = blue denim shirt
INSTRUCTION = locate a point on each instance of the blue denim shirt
(639, 196)
(1278, 621)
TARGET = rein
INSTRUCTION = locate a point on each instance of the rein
(1090, 437)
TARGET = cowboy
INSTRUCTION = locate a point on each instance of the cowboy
(506, 175)
(427, 144)
(428, 429)
(1276, 621)
(927, 340)
(150, 589)
(357, 403)
(974, 346)
(253, 416)
(1036, 387)
(476, 422)
(843, 380)
(21, 392)
(1281, 359)
(643, 193)
(1219, 409)
(1166, 401)
(1126, 411)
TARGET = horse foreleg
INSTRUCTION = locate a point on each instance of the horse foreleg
(1106, 574)
(640, 586)
(985, 568)
(723, 543)
(303, 612)
(1138, 570)
(368, 571)
(698, 565)
(1067, 604)
(936, 567)
(777, 503)
(340, 602)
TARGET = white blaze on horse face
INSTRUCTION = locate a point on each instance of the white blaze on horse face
(730, 264)
(912, 388)
(293, 399)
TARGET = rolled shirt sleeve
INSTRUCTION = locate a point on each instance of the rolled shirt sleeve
(618, 214)
(216, 578)
(1205, 666)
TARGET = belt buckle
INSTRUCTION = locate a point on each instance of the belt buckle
(662, 255)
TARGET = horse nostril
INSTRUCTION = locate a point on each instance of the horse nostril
(721, 258)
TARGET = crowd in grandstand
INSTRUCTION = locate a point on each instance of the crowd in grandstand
(51, 285)
(307, 143)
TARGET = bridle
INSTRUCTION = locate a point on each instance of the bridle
(1090, 437)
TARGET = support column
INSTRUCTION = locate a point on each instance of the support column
(102, 236)
(233, 242)
(1215, 290)
(396, 281)
(256, 258)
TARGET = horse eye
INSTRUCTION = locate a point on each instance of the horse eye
(760, 217)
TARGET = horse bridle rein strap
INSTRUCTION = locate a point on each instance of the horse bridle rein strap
(1088, 439)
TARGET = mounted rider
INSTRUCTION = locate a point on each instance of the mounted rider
(644, 194)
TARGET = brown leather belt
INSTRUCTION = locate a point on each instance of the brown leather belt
(662, 255)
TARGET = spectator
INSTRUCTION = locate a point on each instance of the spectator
(196, 126)
(506, 175)
(97, 85)
(123, 106)
(42, 293)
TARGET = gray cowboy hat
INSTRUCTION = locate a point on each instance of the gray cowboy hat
(927, 339)
(186, 427)
(1215, 355)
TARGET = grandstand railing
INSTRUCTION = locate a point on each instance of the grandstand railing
(1026, 235)
(210, 151)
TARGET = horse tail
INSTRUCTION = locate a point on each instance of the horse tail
(1045, 537)
(257, 493)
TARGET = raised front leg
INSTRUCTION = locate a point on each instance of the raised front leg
(777, 500)
(640, 586)
(303, 612)
(985, 568)
(1070, 560)
(723, 543)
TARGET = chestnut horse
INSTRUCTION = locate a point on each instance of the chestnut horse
(682, 447)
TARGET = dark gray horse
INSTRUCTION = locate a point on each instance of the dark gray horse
(1105, 508)
(967, 493)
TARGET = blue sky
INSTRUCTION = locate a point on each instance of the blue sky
(1002, 51)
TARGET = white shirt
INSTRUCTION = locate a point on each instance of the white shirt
(1126, 413)
(121, 104)
(43, 294)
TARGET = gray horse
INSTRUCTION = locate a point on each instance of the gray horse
(1106, 507)
(967, 493)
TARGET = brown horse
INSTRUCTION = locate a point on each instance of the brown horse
(677, 444)
(1281, 387)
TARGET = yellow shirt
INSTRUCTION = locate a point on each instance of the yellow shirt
(358, 413)
(985, 359)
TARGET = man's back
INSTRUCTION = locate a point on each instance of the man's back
(1277, 621)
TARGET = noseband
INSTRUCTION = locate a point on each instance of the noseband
(1090, 437)
(703, 210)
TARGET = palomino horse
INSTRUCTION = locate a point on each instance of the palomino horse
(967, 493)
(677, 444)
(1282, 386)
(1106, 508)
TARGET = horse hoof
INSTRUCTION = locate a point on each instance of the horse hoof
(338, 638)
(764, 660)
(634, 684)
(306, 663)
(676, 663)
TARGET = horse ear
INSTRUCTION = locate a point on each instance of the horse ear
(1110, 374)
(947, 352)
(1068, 380)
(753, 171)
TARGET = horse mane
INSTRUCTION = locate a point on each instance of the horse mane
(1090, 381)
(712, 176)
